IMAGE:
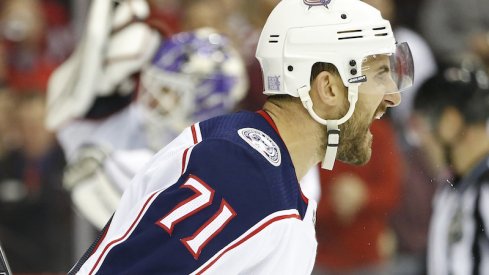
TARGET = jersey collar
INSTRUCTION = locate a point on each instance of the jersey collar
(269, 119)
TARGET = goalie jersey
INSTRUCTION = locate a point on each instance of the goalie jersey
(222, 198)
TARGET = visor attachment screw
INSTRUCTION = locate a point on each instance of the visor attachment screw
(290, 68)
(353, 71)
(353, 63)
(343, 16)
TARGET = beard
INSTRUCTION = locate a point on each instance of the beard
(356, 139)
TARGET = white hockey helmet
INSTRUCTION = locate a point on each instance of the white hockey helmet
(300, 33)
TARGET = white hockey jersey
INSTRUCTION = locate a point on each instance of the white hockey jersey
(222, 198)
(123, 130)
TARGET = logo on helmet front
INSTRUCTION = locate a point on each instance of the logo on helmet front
(315, 3)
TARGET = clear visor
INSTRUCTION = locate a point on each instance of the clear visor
(387, 73)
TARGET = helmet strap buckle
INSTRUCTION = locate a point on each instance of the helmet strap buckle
(332, 145)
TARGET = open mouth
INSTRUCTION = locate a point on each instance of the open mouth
(379, 115)
(380, 112)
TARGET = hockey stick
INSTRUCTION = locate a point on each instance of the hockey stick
(4, 267)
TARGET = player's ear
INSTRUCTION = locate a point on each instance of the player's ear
(330, 89)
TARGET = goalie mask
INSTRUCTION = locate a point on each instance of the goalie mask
(192, 77)
(348, 34)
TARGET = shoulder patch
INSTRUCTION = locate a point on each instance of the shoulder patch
(262, 143)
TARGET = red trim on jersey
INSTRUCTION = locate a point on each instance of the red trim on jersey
(193, 197)
(101, 239)
(304, 198)
(184, 159)
(194, 134)
(185, 241)
(125, 234)
(269, 119)
(247, 237)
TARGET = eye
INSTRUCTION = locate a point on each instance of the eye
(382, 72)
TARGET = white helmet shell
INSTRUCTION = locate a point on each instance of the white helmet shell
(300, 33)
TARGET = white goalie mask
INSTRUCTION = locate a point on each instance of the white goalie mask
(345, 33)
(192, 77)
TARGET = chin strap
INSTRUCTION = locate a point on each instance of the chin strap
(332, 125)
(332, 146)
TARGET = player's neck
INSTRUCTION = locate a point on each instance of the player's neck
(303, 136)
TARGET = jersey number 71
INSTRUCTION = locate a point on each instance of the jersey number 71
(202, 198)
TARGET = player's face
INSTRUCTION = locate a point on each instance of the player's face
(373, 101)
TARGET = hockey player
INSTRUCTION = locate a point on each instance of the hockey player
(454, 107)
(223, 197)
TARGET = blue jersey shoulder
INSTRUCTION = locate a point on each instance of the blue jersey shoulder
(252, 132)
(246, 144)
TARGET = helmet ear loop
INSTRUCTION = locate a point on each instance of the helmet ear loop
(332, 125)
(334, 131)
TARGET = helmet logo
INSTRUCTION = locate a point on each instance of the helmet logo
(274, 83)
(315, 3)
(358, 79)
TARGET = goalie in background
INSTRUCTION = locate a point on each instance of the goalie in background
(127, 91)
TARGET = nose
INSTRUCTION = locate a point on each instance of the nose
(392, 99)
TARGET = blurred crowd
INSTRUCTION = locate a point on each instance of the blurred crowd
(371, 220)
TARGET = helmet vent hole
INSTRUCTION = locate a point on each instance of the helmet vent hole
(274, 38)
(381, 31)
(352, 34)
(350, 37)
(349, 31)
